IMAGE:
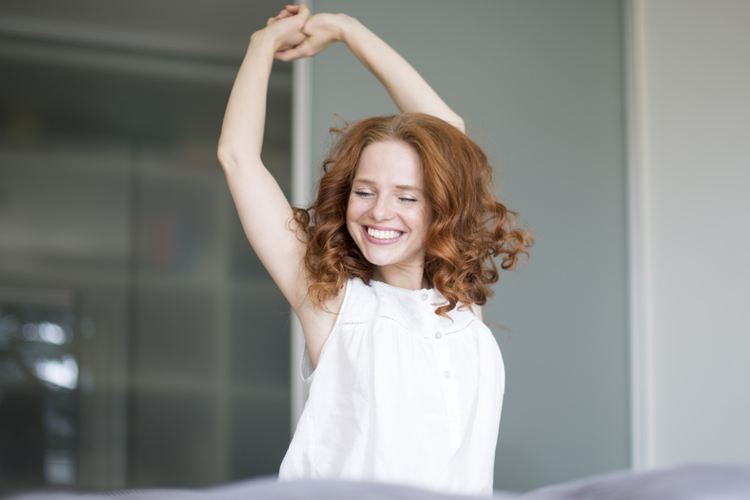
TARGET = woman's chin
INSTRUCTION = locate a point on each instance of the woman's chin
(378, 261)
(382, 261)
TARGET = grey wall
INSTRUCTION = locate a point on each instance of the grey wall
(694, 97)
(539, 84)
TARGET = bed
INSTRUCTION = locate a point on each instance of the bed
(694, 482)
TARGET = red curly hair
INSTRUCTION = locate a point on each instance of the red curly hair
(469, 226)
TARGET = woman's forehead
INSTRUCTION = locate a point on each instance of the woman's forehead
(392, 163)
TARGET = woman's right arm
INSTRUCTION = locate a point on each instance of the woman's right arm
(263, 209)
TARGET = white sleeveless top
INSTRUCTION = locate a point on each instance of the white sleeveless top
(401, 395)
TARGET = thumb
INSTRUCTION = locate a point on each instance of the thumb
(304, 13)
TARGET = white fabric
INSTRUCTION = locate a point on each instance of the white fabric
(401, 395)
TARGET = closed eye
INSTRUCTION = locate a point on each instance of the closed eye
(363, 194)
(410, 200)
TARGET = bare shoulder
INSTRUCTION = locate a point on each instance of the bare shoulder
(317, 322)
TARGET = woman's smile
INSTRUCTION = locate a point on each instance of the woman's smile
(382, 236)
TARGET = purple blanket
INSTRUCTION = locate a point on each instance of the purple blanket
(697, 482)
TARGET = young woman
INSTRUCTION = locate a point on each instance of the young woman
(386, 271)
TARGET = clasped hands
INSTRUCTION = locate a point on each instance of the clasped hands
(298, 34)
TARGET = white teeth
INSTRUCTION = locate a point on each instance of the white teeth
(382, 235)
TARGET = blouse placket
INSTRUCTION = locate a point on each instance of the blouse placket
(446, 374)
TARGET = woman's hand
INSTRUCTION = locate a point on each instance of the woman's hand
(320, 30)
(285, 29)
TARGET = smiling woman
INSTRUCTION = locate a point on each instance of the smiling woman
(386, 272)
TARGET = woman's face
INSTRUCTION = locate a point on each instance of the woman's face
(388, 214)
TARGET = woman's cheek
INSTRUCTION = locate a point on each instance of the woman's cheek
(351, 227)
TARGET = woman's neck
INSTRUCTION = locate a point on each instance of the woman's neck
(410, 279)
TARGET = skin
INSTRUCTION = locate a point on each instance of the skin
(388, 195)
(263, 209)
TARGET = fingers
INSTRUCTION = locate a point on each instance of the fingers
(287, 55)
(297, 52)
(289, 11)
(287, 29)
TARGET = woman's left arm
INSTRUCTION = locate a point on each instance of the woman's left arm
(409, 90)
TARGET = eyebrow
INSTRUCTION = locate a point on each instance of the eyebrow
(400, 186)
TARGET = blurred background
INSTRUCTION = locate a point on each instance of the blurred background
(143, 345)
(141, 341)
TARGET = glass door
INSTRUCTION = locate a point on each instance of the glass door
(142, 344)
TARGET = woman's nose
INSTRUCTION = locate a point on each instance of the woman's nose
(381, 210)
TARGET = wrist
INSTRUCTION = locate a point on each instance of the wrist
(264, 40)
(346, 27)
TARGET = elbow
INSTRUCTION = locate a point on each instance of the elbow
(458, 122)
(223, 156)
(452, 118)
(234, 160)
(233, 154)
(227, 157)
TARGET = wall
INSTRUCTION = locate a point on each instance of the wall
(539, 84)
(693, 96)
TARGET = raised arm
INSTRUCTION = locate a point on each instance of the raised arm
(407, 88)
(263, 209)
